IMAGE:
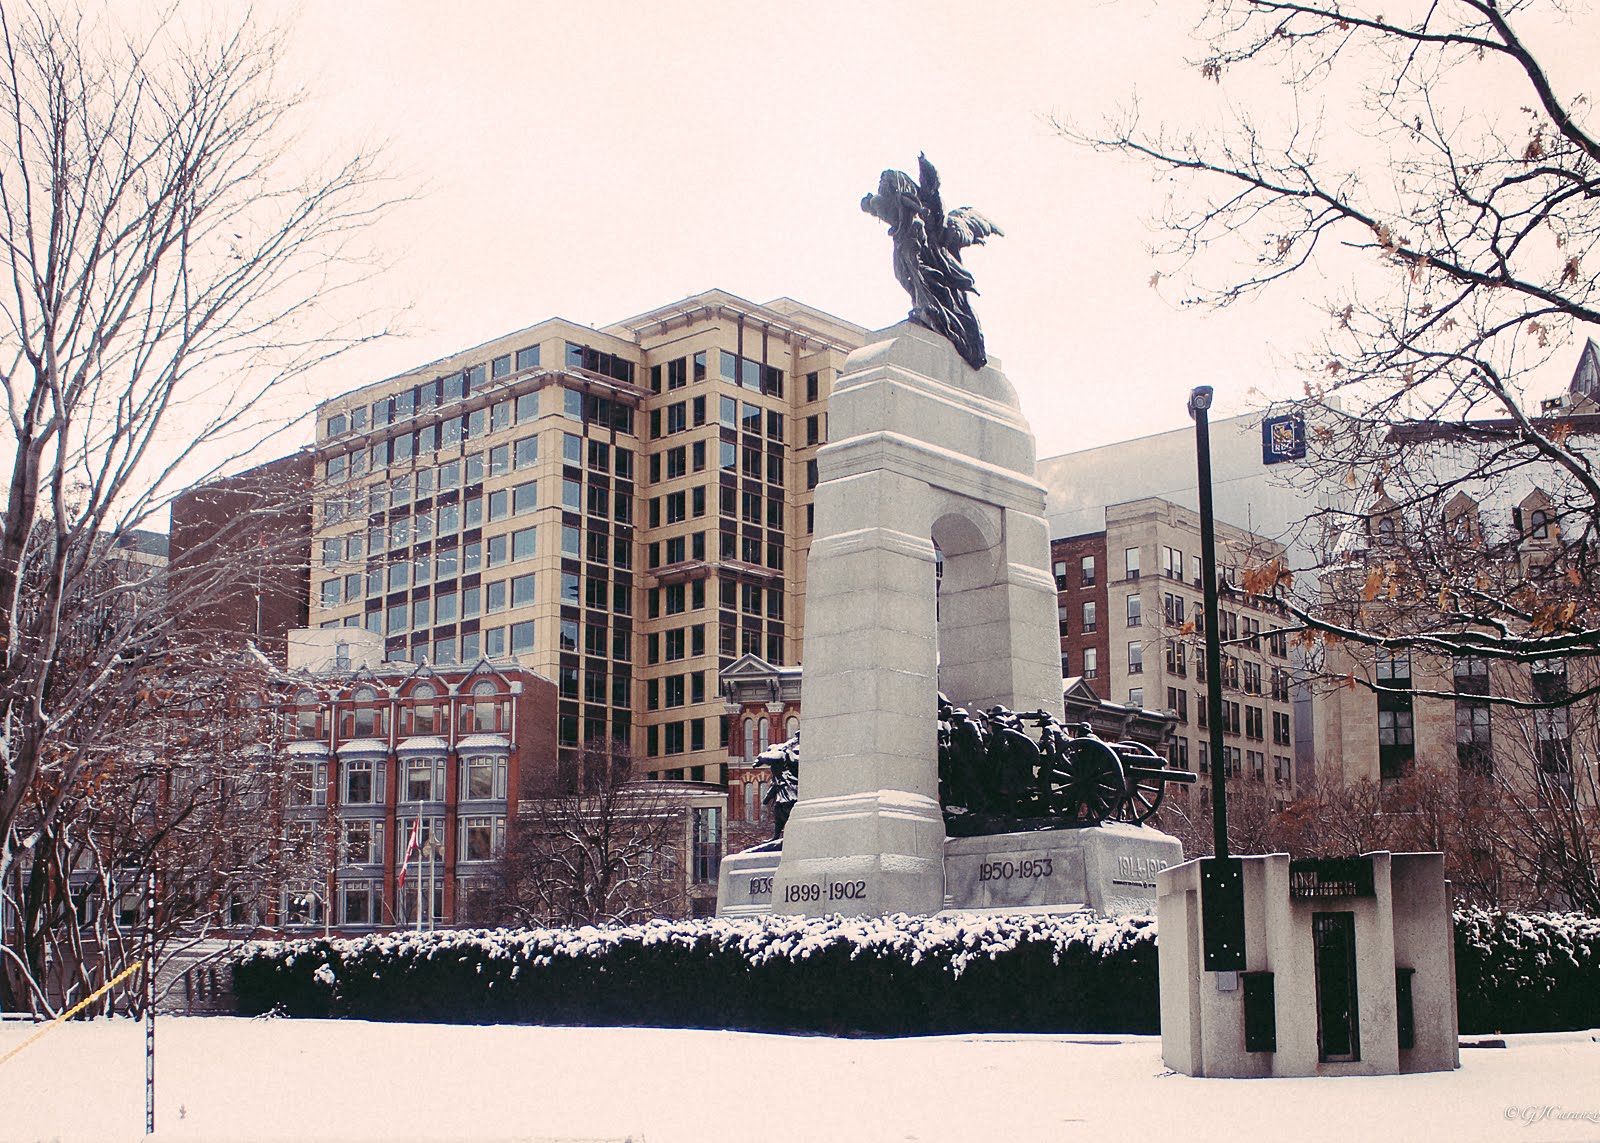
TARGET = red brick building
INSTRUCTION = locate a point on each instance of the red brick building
(379, 757)
(1081, 575)
(763, 707)
(240, 556)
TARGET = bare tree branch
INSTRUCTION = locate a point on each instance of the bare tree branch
(168, 255)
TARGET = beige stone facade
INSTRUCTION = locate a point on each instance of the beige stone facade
(1131, 611)
(1381, 717)
(622, 509)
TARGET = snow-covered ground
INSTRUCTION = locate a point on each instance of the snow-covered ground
(226, 1078)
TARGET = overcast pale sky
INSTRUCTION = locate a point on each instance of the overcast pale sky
(594, 160)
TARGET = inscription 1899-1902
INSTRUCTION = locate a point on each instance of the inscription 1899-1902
(825, 891)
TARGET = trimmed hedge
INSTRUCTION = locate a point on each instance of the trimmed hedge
(865, 976)
(1527, 972)
(884, 977)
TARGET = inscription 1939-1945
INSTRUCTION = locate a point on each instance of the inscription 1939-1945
(761, 886)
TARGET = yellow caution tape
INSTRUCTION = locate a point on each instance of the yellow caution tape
(76, 1008)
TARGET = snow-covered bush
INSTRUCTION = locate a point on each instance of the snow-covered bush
(889, 976)
(880, 976)
(1527, 972)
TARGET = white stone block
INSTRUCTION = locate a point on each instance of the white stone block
(1403, 923)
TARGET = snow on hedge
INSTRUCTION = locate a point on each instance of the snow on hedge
(884, 975)
(959, 939)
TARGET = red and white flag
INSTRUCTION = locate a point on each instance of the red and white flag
(411, 849)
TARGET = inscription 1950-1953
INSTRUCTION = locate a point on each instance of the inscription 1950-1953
(1007, 870)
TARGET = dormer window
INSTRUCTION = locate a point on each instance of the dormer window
(366, 719)
(488, 712)
(1386, 531)
(1539, 524)
(424, 714)
(1461, 522)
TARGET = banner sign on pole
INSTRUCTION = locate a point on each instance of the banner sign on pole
(1283, 438)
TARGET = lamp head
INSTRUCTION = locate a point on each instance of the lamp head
(1199, 400)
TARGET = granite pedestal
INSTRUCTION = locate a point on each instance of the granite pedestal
(1110, 869)
(926, 451)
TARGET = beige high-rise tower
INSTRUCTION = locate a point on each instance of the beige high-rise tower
(623, 509)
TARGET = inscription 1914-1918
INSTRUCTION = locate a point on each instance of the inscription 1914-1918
(1138, 871)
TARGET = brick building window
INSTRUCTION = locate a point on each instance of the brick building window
(1396, 733)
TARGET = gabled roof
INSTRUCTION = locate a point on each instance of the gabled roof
(1078, 687)
(748, 666)
(1586, 377)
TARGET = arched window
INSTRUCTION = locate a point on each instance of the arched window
(791, 727)
(488, 712)
(749, 740)
(764, 730)
(1386, 531)
(424, 714)
(366, 719)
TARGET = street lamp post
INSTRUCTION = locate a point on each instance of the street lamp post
(1199, 407)
(1221, 877)
(150, 1002)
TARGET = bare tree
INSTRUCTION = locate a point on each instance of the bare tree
(1504, 846)
(1426, 164)
(189, 793)
(1429, 160)
(610, 850)
(166, 258)
(1538, 807)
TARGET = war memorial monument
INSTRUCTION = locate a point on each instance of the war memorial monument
(905, 801)
(919, 787)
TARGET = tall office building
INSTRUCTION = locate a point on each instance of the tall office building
(624, 510)
(1131, 617)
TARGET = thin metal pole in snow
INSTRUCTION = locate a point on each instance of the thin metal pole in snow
(150, 1004)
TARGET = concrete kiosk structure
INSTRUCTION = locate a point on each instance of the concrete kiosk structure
(926, 451)
(1350, 970)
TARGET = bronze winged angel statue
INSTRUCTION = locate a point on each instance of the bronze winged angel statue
(927, 254)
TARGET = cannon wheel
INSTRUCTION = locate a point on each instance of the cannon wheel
(1144, 799)
(1096, 785)
(1144, 792)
